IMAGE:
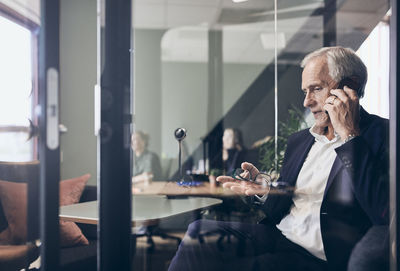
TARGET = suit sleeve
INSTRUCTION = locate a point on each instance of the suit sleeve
(368, 166)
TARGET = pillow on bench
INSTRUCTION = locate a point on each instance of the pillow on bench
(13, 197)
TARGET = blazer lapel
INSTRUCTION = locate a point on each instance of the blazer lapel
(337, 165)
(299, 156)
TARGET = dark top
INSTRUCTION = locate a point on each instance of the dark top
(147, 162)
(235, 159)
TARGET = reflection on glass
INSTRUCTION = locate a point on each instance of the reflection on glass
(212, 68)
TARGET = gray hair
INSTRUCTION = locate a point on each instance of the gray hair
(145, 137)
(342, 63)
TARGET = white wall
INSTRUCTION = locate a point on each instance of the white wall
(77, 79)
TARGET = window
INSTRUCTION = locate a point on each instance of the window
(375, 53)
(17, 89)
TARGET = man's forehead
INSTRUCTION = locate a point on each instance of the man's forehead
(312, 83)
(316, 72)
(317, 64)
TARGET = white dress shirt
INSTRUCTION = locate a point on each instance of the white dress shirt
(302, 224)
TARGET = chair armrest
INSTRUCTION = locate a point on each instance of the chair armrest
(371, 253)
(16, 257)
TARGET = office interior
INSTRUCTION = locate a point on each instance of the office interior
(82, 76)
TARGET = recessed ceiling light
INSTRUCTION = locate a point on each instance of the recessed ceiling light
(239, 1)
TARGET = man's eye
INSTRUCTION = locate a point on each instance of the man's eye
(317, 88)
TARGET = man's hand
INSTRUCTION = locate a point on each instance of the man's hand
(244, 187)
(344, 111)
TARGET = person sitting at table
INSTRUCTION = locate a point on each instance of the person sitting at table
(233, 151)
(336, 173)
(146, 164)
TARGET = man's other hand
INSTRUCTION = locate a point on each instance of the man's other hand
(244, 187)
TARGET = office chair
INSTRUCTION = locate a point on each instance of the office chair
(17, 257)
(152, 230)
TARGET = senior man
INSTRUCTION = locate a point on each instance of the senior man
(339, 172)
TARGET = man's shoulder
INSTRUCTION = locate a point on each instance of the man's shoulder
(374, 127)
(379, 121)
(368, 119)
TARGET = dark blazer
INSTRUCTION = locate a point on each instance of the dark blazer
(357, 192)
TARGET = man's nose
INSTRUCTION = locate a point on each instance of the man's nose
(308, 100)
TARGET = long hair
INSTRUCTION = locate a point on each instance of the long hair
(237, 138)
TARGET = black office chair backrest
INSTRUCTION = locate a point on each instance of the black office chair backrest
(24, 172)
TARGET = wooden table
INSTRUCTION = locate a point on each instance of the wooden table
(173, 189)
(145, 209)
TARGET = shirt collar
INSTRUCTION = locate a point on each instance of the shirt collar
(322, 138)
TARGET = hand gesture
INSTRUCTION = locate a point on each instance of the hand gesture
(344, 111)
(244, 187)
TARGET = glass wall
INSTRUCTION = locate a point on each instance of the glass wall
(19, 142)
(228, 73)
(19, 161)
(214, 83)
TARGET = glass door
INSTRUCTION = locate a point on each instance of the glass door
(114, 122)
(49, 143)
(30, 85)
(30, 128)
(21, 154)
(217, 83)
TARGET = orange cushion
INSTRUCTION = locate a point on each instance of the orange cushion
(13, 197)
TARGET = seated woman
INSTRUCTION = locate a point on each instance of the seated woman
(146, 164)
(233, 152)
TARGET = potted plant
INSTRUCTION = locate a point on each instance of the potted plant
(294, 123)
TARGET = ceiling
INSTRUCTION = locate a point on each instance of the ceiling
(28, 8)
(248, 28)
(174, 13)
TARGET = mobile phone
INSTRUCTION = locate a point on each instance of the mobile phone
(348, 82)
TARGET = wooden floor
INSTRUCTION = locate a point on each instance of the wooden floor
(157, 259)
